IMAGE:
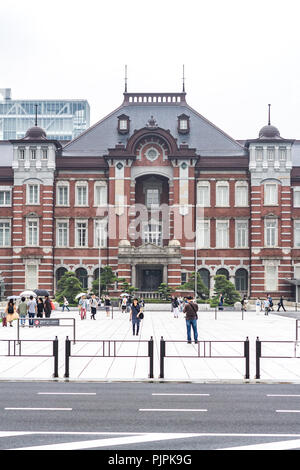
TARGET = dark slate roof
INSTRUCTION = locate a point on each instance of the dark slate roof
(205, 137)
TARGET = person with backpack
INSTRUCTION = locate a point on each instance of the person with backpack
(47, 307)
(175, 305)
(32, 310)
(10, 311)
(191, 317)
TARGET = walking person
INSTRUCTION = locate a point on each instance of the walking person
(191, 317)
(32, 310)
(47, 307)
(40, 308)
(83, 307)
(175, 305)
(65, 304)
(280, 304)
(124, 304)
(22, 311)
(244, 302)
(258, 306)
(267, 306)
(10, 311)
(221, 301)
(94, 304)
(107, 304)
(270, 302)
(135, 311)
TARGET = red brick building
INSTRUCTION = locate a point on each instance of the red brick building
(155, 191)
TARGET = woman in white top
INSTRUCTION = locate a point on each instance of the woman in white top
(258, 306)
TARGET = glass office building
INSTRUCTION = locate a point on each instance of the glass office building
(61, 119)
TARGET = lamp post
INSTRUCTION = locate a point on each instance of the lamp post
(99, 259)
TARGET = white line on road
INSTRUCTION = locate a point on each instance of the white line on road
(39, 409)
(287, 411)
(171, 409)
(283, 445)
(283, 395)
(66, 393)
(182, 394)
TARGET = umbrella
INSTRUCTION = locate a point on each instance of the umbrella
(13, 297)
(42, 292)
(80, 295)
(27, 293)
(124, 294)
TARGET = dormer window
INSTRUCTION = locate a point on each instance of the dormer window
(123, 124)
(183, 124)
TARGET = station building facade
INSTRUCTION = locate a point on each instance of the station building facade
(156, 191)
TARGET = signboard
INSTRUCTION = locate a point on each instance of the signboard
(46, 322)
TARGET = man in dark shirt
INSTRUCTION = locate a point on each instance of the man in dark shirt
(191, 317)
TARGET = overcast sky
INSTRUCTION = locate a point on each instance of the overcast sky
(239, 55)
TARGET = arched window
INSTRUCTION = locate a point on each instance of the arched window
(223, 272)
(241, 280)
(205, 276)
(96, 273)
(59, 274)
(82, 275)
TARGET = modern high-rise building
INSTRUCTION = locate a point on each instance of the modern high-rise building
(61, 119)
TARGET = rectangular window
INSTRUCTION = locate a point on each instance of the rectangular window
(241, 233)
(297, 196)
(152, 233)
(152, 197)
(203, 234)
(100, 236)
(297, 233)
(100, 195)
(222, 195)
(282, 154)
(32, 232)
(4, 234)
(123, 123)
(222, 234)
(183, 124)
(81, 234)
(271, 278)
(62, 234)
(63, 195)
(33, 194)
(203, 195)
(44, 153)
(271, 194)
(241, 195)
(21, 154)
(81, 192)
(271, 232)
(270, 153)
(5, 198)
(259, 154)
(33, 154)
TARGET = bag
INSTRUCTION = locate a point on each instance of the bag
(52, 305)
(141, 315)
(4, 321)
(15, 316)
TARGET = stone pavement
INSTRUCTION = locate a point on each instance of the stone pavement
(229, 327)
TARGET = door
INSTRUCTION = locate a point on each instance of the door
(151, 279)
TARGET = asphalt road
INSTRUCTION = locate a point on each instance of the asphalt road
(152, 416)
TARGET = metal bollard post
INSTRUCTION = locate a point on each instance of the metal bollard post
(68, 353)
(258, 356)
(215, 313)
(162, 357)
(150, 354)
(247, 356)
(55, 354)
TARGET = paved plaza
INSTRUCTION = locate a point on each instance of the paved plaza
(223, 336)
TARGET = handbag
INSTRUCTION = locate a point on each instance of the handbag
(141, 316)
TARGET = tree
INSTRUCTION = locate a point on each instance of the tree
(107, 277)
(225, 287)
(165, 290)
(202, 290)
(68, 286)
(127, 288)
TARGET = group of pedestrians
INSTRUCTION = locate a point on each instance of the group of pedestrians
(31, 308)
(267, 305)
(91, 304)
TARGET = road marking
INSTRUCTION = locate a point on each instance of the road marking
(283, 445)
(65, 393)
(283, 395)
(287, 411)
(40, 409)
(183, 394)
(117, 441)
(171, 409)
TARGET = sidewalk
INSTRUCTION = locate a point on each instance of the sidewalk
(228, 326)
